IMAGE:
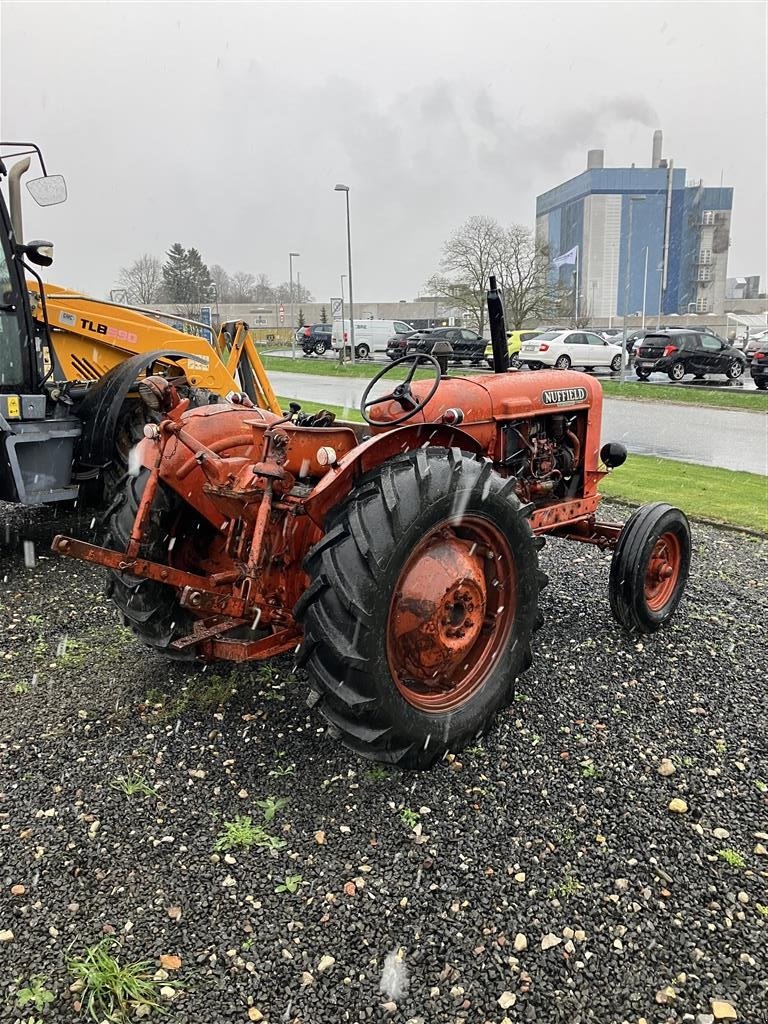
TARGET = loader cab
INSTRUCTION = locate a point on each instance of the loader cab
(37, 442)
(16, 326)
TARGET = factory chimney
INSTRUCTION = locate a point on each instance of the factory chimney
(656, 158)
(595, 158)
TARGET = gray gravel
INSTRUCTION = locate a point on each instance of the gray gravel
(558, 828)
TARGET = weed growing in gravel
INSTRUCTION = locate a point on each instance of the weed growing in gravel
(762, 909)
(242, 834)
(247, 946)
(687, 762)
(289, 884)
(760, 786)
(569, 887)
(522, 698)
(732, 857)
(133, 785)
(588, 770)
(281, 770)
(720, 746)
(271, 806)
(19, 688)
(110, 991)
(409, 817)
(476, 751)
(377, 774)
(34, 993)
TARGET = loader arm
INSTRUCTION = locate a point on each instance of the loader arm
(88, 338)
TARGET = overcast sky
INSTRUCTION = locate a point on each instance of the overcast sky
(226, 126)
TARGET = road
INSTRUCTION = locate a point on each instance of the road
(711, 437)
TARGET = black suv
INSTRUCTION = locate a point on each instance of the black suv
(315, 339)
(759, 366)
(467, 345)
(678, 352)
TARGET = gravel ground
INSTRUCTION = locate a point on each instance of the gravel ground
(540, 878)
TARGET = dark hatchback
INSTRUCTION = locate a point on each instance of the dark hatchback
(467, 345)
(759, 366)
(680, 352)
(397, 346)
(316, 339)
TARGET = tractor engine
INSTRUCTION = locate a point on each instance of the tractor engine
(544, 455)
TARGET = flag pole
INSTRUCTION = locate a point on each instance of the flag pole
(576, 291)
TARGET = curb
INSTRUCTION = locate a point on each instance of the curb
(730, 527)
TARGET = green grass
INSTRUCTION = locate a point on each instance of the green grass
(728, 398)
(110, 991)
(732, 857)
(704, 492)
(132, 785)
(242, 834)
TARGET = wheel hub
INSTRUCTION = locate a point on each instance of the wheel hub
(663, 571)
(447, 620)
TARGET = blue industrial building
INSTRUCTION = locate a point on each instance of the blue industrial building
(680, 233)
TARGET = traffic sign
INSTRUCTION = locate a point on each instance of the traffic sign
(282, 313)
(337, 307)
(205, 315)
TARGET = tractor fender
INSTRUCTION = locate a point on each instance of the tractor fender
(337, 484)
(100, 409)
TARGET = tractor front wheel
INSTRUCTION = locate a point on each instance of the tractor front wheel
(422, 602)
(649, 568)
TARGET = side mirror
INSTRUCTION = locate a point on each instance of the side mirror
(38, 252)
(48, 191)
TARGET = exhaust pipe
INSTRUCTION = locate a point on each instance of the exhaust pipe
(498, 328)
(14, 198)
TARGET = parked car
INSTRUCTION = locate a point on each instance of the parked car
(468, 346)
(370, 335)
(564, 349)
(759, 366)
(397, 345)
(315, 338)
(515, 340)
(679, 351)
(755, 343)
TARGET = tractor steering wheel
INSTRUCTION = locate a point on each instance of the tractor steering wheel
(402, 393)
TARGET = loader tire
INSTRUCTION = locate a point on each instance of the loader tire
(152, 610)
(422, 601)
(649, 567)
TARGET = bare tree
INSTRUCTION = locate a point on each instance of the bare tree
(264, 290)
(142, 280)
(522, 269)
(469, 258)
(482, 247)
(243, 287)
(223, 283)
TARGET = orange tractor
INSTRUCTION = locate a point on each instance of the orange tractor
(398, 558)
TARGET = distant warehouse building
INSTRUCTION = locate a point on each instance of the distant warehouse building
(680, 233)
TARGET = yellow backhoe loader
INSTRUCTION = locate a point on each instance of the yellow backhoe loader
(70, 365)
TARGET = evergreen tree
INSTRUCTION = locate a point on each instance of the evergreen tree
(323, 315)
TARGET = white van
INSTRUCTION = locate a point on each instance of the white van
(371, 336)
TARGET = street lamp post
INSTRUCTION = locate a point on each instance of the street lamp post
(632, 201)
(345, 189)
(290, 292)
(341, 350)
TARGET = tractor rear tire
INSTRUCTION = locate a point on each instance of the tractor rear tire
(152, 610)
(649, 568)
(430, 563)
